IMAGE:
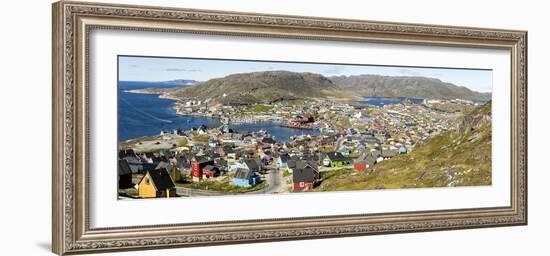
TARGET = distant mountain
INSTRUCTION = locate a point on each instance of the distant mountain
(262, 87)
(147, 87)
(405, 86)
(182, 82)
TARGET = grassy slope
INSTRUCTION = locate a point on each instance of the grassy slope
(449, 159)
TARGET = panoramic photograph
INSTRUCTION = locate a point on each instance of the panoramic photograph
(212, 127)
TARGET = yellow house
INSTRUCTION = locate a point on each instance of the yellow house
(156, 183)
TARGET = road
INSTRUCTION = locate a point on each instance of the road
(339, 143)
(273, 177)
(188, 192)
(275, 183)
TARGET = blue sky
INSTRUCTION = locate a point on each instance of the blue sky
(165, 69)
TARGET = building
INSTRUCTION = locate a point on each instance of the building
(364, 162)
(197, 164)
(335, 159)
(282, 161)
(304, 175)
(156, 183)
(124, 175)
(254, 164)
(210, 171)
(245, 177)
(175, 174)
(344, 151)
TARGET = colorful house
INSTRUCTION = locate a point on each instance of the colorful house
(304, 175)
(156, 183)
(197, 164)
(246, 178)
(335, 159)
(364, 162)
(210, 171)
(344, 151)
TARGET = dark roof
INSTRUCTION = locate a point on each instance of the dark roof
(210, 168)
(161, 179)
(284, 158)
(305, 171)
(141, 167)
(301, 164)
(166, 165)
(126, 153)
(311, 157)
(268, 140)
(188, 156)
(158, 159)
(203, 159)
(168, 153)
(123, 167)
(244, 174)
(253, 164)
(291, 163)
(221, 162)
(335, 156)
(228, 149)
(183, 163)
(365, 159)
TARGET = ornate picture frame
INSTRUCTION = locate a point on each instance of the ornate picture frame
(72, 23)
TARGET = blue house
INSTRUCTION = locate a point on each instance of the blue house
(344, 151)
(246, 178)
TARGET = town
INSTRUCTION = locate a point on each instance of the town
(349, 138)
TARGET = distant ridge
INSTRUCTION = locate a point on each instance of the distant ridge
(406, 86)
(273, 86)
(262, 87)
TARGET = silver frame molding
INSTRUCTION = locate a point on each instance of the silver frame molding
(72, 22)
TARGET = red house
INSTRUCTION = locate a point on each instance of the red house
(210, 171)
(197, 166)
(360, 165)
(304, 175)
(364, 162)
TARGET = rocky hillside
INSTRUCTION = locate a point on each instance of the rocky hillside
(262, 87)
(405, 86)
(458, 158)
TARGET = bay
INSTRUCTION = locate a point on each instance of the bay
(147, 114)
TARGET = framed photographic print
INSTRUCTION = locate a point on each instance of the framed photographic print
(242, 127)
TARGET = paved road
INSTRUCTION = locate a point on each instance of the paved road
(339, 142)
(188, 192)
(275, 183)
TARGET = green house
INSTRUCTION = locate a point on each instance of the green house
(335, 159)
